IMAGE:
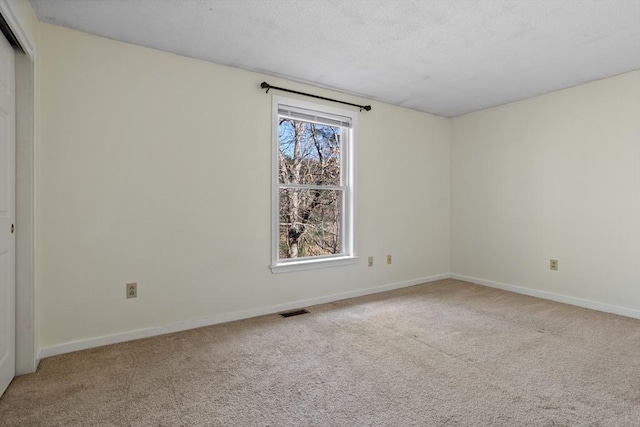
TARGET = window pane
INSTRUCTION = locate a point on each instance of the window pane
(309, 222)
(309, 153)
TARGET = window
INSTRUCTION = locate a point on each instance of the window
(313, 188)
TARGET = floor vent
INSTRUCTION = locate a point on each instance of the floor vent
(294, 313)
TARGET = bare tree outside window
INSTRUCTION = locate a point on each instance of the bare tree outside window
(310, 194)
(313, 186)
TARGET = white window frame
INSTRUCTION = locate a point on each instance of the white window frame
(347, 172)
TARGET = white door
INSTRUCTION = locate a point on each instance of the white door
(7, 215)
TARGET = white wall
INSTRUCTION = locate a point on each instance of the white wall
(557, 176)
(155, 168)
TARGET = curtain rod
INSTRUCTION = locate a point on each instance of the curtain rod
(267, 86)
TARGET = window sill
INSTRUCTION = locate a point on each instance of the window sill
(312, 264)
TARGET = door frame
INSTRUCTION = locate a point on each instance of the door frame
(25, 75)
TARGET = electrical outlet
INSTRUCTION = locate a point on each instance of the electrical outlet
(553, 264)
(370, 261)
(132, 290)
(389, 259)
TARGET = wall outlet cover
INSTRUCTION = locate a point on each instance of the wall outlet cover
(132, 290)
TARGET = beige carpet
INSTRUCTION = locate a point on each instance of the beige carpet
(444, 354)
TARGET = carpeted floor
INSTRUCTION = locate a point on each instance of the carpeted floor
(443, 354)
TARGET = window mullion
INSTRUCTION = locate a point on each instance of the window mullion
(313, 187)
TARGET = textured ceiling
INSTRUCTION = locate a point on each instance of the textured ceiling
(442, 57)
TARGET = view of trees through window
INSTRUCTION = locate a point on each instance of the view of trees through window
(310, 192)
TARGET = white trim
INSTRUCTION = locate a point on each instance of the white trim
(8, 11)
(239, 315)
(313, 263)
(580, 302)
(26, 343)
(222, 318)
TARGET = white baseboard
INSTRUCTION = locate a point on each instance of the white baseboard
(222, 318)
(599, 306)
(239, 315)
